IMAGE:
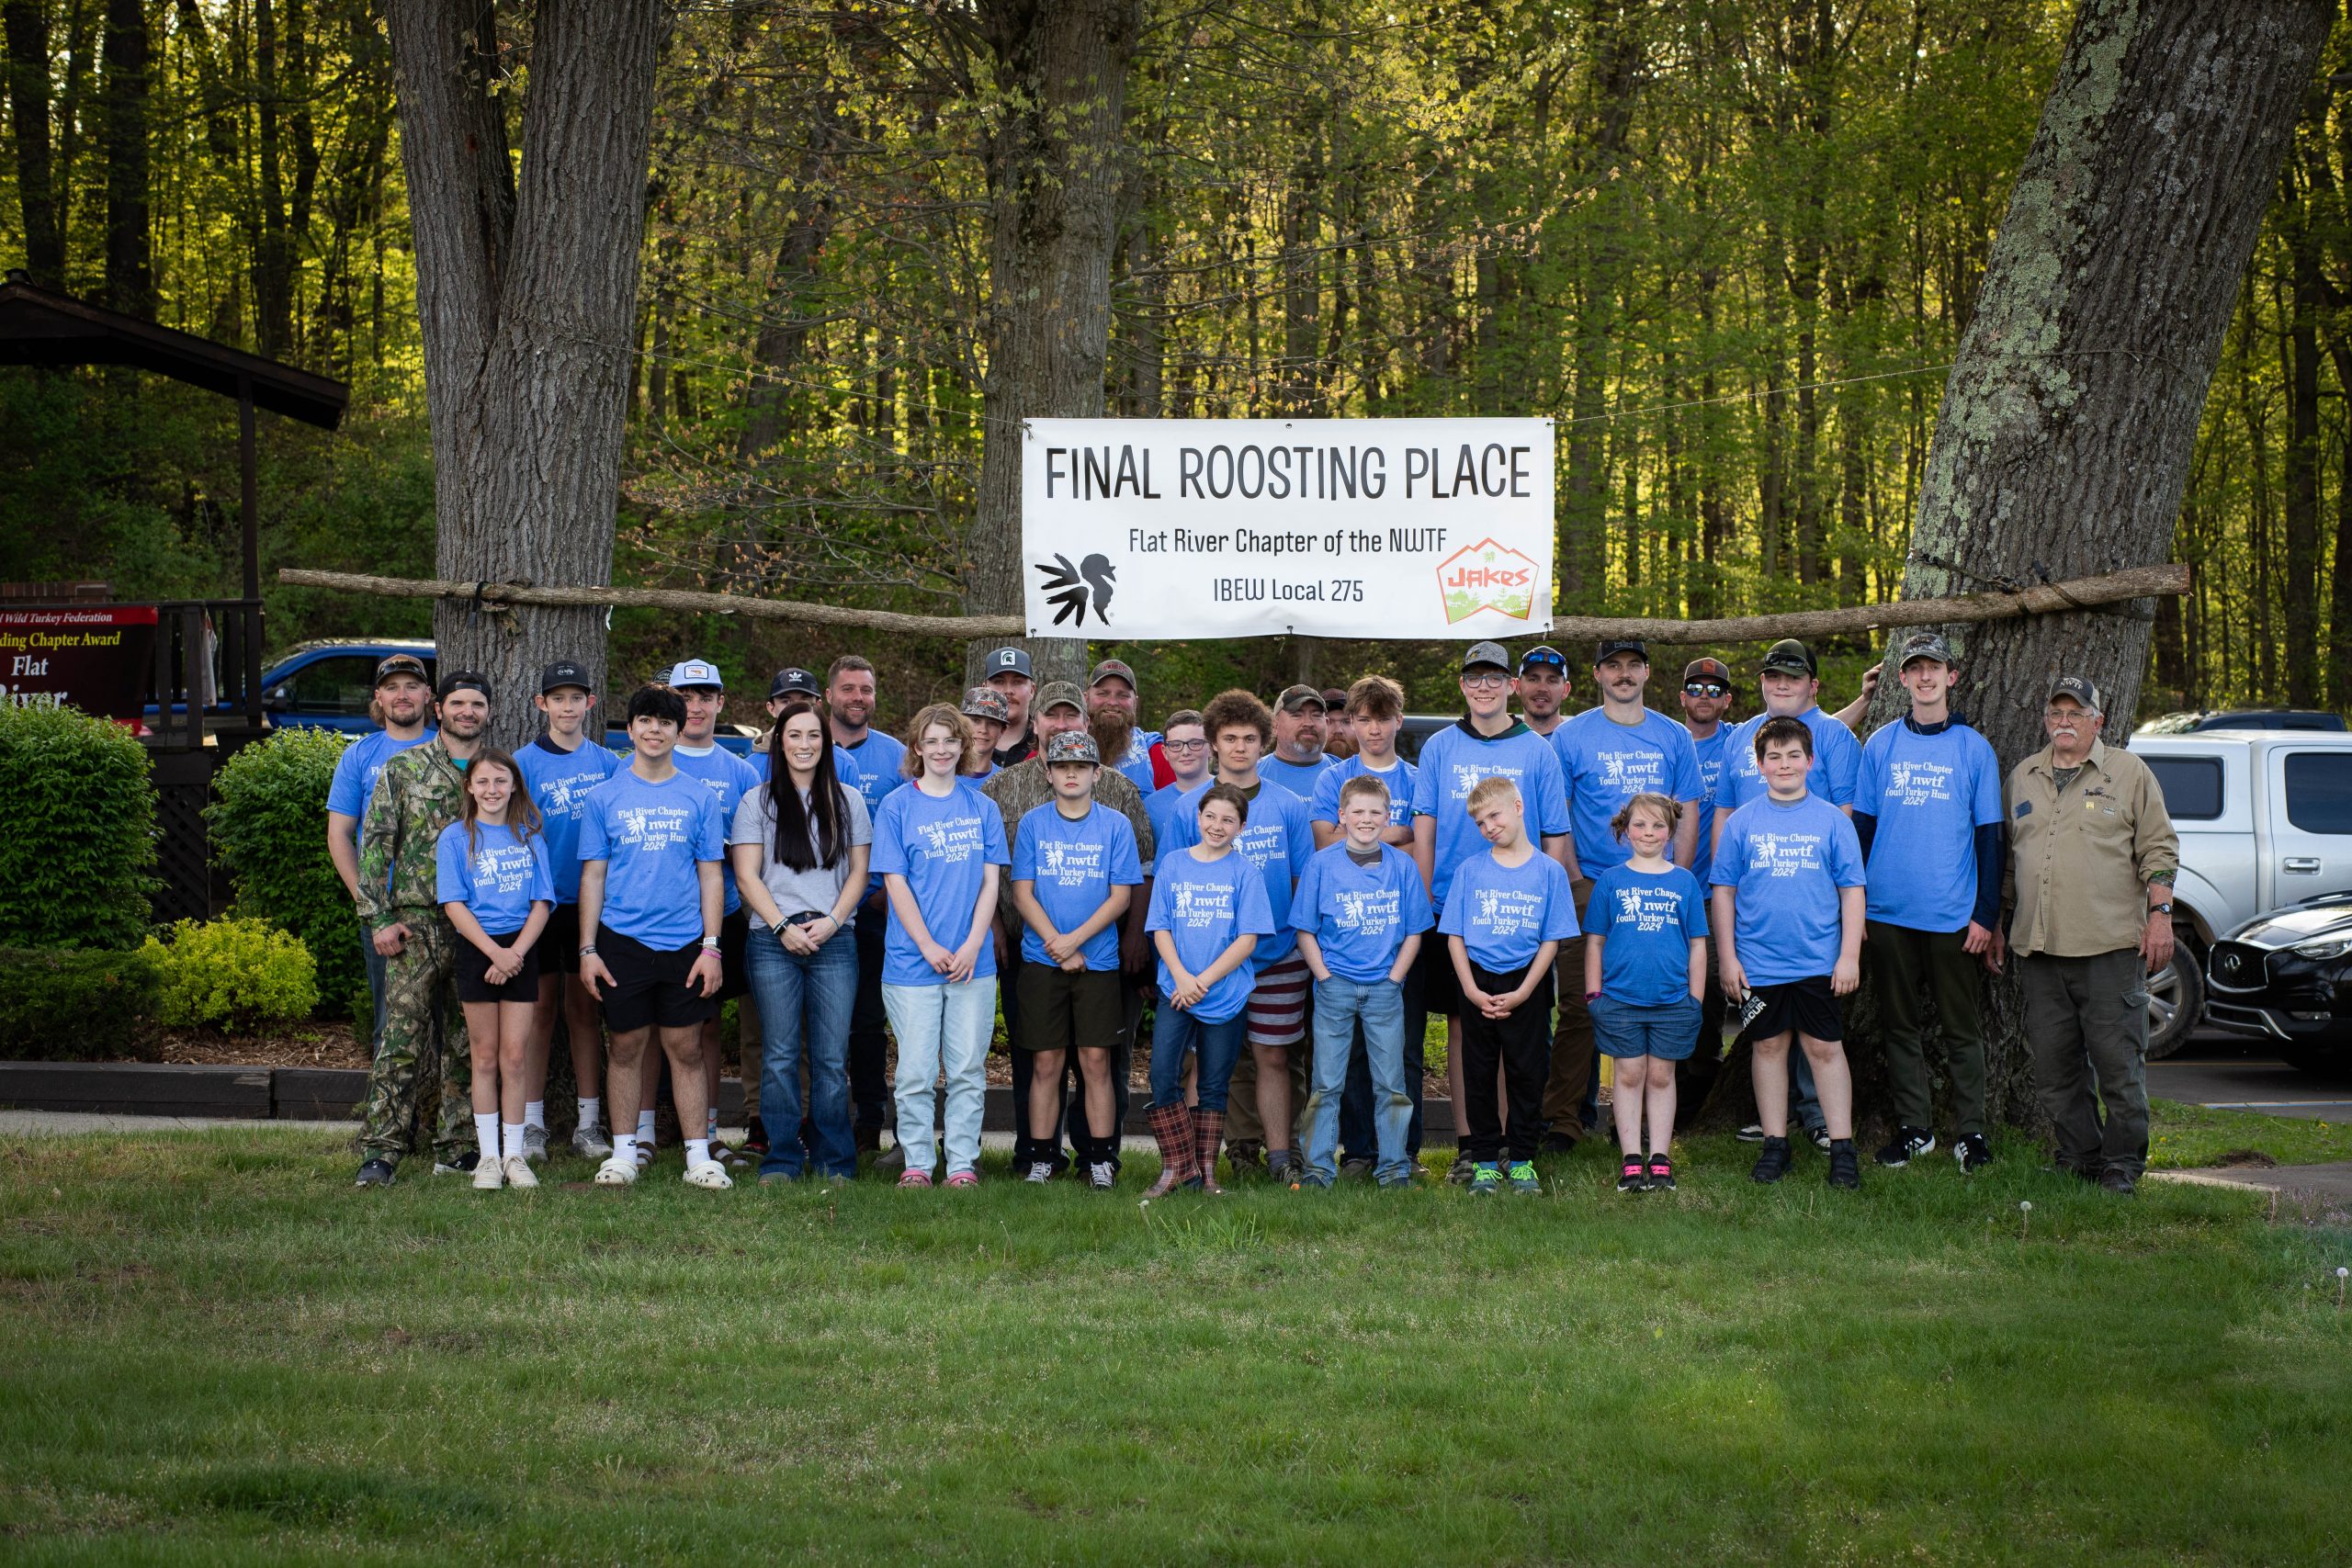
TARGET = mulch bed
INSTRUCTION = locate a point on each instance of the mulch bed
(325, 1045)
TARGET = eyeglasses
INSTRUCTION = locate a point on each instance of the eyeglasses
(1486, 678)
(1183, 745)
(1706, 689)
(2067, 713)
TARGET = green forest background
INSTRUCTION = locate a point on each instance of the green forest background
(1730, 245)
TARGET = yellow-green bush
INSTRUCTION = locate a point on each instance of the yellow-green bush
(233, 974)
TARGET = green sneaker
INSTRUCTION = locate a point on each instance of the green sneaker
(1523, 1177)
(1486, 1180)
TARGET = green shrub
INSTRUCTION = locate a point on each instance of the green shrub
(268, 826)
(67, 1005)
(77, 839)
(233, 974)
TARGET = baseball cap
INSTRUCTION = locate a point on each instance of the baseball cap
(462, 680)
(1791, 656)
(1056, 693)
(1544, 653)
(565, 672)
(1707, 670)
(1492, 653)
(694, 673)
(1925, 645)
(401, 664)
(792, 679)
(1297, 697)
(2082, 690)
(986, 701)
(1072, 746)
(1008, 661)
(1617, 644)
(1113, 666)
(1334, 699)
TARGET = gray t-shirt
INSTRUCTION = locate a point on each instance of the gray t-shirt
(795, 892)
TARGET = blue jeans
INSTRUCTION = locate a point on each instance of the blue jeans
(375, 985)
(805, 1005)
(1174, 1032)
(942, 1031)
(1338, 1004)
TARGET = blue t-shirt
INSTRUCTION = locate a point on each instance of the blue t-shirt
(1787, 863)
(1503, 913)
(1278, 839)
(1453, 761)
(652, 837)
(361, 764)
(558, 782)
(1165, 806)
(876, 760)
(1074, 867)
(1324, 807)
(1710, 753)
(1204, 906)
(730, 779)
(1360, 915)
(1930, 792)
(1299, 778)
(1837, 760)
(500, 883)
(942, 845)
(1645, 924)
(1136, 763)
(1606, 763)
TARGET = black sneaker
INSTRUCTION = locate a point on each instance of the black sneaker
(377, 1173)
(1752, 1133)
(1773, 1163)
(2117, 1181)
(1662, 1173)
(1845, 1165)
(1633, 1175)
(1356, 1169)
(756, 1137)
(462, 1165)
(1820, 1136)
(1909, 1143)
(1972, 1153)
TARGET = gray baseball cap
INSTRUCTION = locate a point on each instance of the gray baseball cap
(1492, 653)
(2081, 690)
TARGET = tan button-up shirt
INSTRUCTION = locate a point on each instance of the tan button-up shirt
(2081, 858)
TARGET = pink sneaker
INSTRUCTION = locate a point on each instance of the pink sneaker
(915, 1179)
(965, 1179)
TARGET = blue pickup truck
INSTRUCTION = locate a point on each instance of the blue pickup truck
(328, 684)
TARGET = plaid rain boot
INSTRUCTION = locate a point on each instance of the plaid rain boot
(1172, 1126)
(1209, 1131)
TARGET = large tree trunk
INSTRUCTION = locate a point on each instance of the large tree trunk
(26, 23)
(527, 297)
(130, 266)
(1054, 172)
(2071, 413)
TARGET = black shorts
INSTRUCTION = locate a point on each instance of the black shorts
(1441, 987)
(734, 935)
(1805, 1007)
(559, 946)
(473, 973)
(650, 985)
(1060, 1010)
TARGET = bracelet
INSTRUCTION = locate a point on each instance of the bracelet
(589, 951)
(710, 947)
(1593, 996)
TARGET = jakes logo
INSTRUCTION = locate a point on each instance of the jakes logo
(1487, 576)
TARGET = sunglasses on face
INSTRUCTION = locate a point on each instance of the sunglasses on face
(1706, 689)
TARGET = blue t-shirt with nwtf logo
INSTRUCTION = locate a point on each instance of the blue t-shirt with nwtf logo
(558, 782)
(1072, 866)
(652, 837)
(1205, 907)
(499, 880)
(1786, 863)
(1360, 915)
(1278, 839)
(1930, 792)
(943, 846)
(1837, 760)
(1325, 805)
(1504, 913)
(1646, 923)
(1606, 763)
(1454, 761)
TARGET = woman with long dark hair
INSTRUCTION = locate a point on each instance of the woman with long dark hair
(799, 844)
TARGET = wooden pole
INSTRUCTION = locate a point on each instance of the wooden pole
(2039, 599)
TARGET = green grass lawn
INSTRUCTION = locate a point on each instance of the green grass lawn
(218, 1351)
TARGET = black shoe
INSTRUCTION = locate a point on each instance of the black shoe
(1662, 1173)
(377, 1173)
(1845, 1165)
(1909, 1143)
(1773, 1163)
(756, 1137)
(1355, 1170)
(2116, 1179)
(1632, 1174)
(462, 1165)
(1248, 1159)
(1282, 1169)
(1972, 1153)
(1555, 1143)
(1820, 1136)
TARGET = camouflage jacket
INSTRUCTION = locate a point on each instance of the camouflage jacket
(1023, 787)
(421, 792)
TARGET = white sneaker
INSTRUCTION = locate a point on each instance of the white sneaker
(1101, 1177)
(535, 1144)
(590, 1143)
(490, 1176)
(518, 1171)
(616, 1172)
(708, 1175)
(1040, 1171)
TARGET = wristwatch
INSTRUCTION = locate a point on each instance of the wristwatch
(2160, 909)
(589, 951)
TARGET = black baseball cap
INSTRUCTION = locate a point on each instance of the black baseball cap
(1544, 653)
(1791, 656)
(794, 679)
(1489, 653)
(401, 664)
(463, 681)
(1617, 644)
(565, 672)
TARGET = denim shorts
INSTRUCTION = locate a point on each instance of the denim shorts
(1669, 1033)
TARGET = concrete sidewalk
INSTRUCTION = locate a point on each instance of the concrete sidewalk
(2327, 1188)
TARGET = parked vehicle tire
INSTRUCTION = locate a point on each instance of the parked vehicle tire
(2176, 999)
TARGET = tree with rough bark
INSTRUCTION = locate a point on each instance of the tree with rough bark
(526, 293)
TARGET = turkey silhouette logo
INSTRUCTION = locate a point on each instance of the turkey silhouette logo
(1487, 576)
(1069, 588)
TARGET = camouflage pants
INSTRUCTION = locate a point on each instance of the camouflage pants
(422, 1055)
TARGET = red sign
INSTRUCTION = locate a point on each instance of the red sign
(97, 657)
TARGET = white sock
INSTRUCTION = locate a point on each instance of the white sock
(625, 1148)
(511, 1137)
(645, 1128)
(535, 1114)
(592, 1110)
(486, 1132)
(698, 1152)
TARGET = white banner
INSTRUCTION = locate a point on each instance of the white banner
(1254, 528)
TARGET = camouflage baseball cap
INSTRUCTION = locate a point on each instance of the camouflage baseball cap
(1072, 746)
(986, 701)
(1925, 645)
(1059, 694)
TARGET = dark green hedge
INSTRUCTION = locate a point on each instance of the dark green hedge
(65, 1005)
(77, 831)
(268, 826)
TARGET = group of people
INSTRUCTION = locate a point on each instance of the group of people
(1289, 898)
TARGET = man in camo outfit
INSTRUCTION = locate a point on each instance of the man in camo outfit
(423, 791)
